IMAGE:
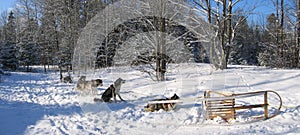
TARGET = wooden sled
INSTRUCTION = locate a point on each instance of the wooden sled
(229, 105)
(223, 105)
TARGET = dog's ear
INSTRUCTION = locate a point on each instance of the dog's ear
(82, 78)
(122, 80)
(99, 81)
(175, 96)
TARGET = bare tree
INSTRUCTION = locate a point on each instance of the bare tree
(223, 26)
(128, 20)
(161, 47)
(3, 22)
(3, 18)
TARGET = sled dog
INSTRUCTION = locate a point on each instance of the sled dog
(111, 92)
(164, 106)
(66, 79)
(107, 95)
(90, 85)
(117, 85)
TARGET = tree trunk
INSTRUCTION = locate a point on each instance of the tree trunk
(223, 38)
(161, 48)
(229, 32)
(45, 69)
(283, 60)
(60, 73)
(208, 11)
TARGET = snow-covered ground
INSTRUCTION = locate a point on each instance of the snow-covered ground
(37, 103)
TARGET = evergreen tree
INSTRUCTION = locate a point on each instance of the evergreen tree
(269, 54)
(9, 50)
(297, 45)
(239, 50)
(49, 31)
(70, 26)
(245, 46)
(28, 45)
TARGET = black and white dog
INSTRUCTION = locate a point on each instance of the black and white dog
(91, 85)
(107, 95)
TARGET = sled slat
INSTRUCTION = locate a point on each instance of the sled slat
(220, 108)
(250, 106)
(266, 105)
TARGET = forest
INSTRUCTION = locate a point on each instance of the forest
(45, 32)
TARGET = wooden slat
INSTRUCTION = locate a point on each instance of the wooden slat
(250, 106)
(224, 112)
(221, 101)
(219, 106)
(266, 105)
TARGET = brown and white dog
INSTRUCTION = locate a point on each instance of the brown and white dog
(164, 106)
(90, 86)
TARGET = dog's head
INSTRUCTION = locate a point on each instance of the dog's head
(174, 97)
(111, 87)
(98, 82)
(82, 78)
(119, 81)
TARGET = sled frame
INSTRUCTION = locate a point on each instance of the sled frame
(226, 107)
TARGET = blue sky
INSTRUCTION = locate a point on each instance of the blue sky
(6, 4)
(261, 5)
(263, 8)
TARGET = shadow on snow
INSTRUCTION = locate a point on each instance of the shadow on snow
(23, 114)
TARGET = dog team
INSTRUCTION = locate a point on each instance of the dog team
(90, 86)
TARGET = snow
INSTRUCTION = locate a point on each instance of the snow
(37, 103)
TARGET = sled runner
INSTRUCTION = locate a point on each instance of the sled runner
(228, 105)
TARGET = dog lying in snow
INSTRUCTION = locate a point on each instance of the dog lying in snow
(91, 85)
(111, 92)
(164, 106)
